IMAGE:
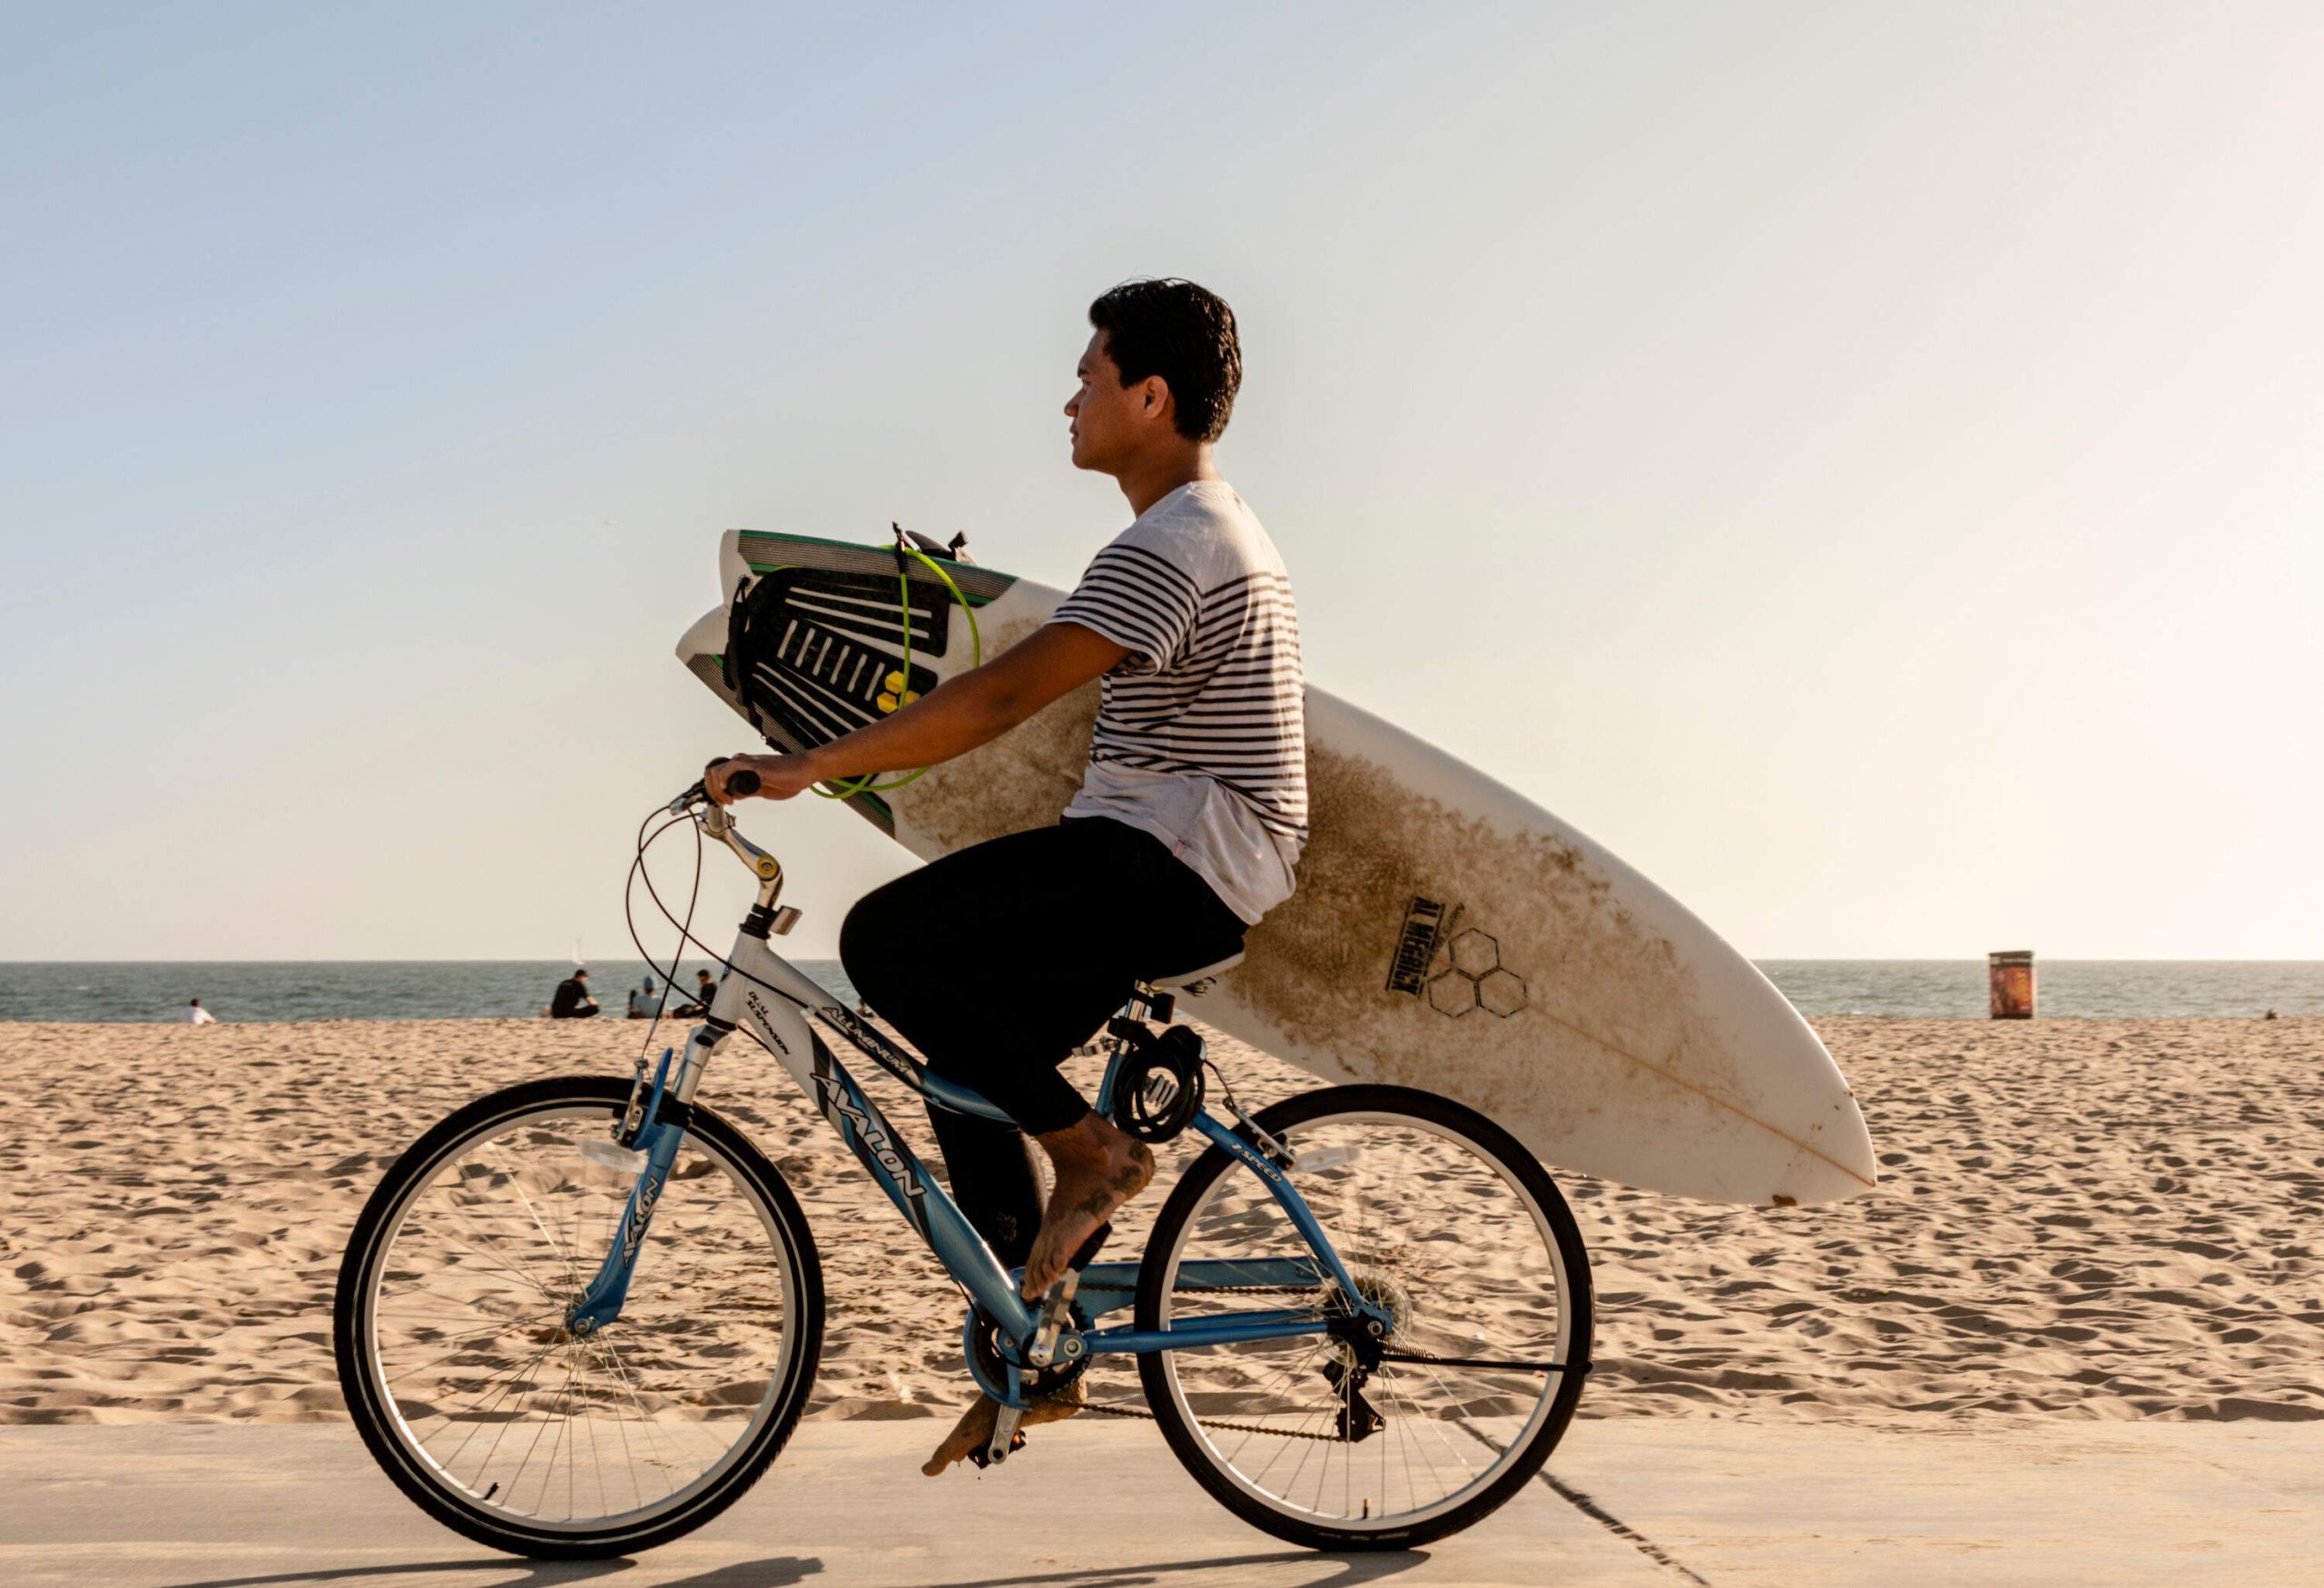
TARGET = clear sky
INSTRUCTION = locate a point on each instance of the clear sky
(1864, 464)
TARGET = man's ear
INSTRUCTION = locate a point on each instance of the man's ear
(1154, 399)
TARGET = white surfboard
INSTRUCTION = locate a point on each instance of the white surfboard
(1447, 933)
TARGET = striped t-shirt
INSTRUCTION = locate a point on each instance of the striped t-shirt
(1201, 736)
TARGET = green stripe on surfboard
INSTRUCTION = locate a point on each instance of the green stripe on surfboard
(965, 574)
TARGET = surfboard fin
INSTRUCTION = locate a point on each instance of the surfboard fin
(948, 549)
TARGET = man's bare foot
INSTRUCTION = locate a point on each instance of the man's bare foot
(973, 1432)
(1099, 1167)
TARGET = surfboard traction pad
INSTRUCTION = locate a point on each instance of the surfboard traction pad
(815, 644)
(1406, 952)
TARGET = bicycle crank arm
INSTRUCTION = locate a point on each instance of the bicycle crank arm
(1057, 1309)
(1005, 1438)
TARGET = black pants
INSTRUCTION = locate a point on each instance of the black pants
(998, 960)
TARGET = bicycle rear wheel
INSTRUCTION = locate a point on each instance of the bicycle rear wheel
(1343, 1441)
(488, 1413)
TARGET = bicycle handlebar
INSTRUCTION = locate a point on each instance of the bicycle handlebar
(741, 786)
(719, 823)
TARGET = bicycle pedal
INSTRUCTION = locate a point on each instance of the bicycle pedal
(982, 1457)
(1087, 1253)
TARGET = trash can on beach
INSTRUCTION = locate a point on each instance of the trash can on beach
(2010, 976)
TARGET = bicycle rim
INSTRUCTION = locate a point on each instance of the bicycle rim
(1466, 1398)
(492, 1405)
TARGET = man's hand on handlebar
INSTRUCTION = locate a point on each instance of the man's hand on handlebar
(778, 778)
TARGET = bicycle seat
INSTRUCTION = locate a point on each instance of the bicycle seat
(1200, 973)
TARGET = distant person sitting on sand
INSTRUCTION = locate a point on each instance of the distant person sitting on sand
(705, 987)
(573, 1001)
(193, 1014)
(641, 1002)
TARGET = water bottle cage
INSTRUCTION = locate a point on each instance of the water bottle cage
(1159, 1087)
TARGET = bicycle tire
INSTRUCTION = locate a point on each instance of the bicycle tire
(367, 1406)
(1195, 1452)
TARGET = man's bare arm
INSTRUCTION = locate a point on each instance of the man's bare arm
(972, 709)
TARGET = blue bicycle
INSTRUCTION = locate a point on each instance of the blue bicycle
(580, 1317)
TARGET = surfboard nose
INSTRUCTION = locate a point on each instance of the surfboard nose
(1836, 1161)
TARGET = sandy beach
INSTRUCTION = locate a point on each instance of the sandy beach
(2087, 1220)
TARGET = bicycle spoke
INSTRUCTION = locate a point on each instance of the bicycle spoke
(499, 1263)
(572, 1273)
(646, 1427)
(489, 1332)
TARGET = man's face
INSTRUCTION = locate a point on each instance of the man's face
(1108, 418)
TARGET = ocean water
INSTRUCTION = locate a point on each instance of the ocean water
(467, 988)
(237, 989)
(2066, 988)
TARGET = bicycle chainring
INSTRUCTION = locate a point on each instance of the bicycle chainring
(992, 1367)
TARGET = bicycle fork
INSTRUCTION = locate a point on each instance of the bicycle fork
(600, 1302)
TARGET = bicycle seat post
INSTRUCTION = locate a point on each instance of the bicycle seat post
(1148, 1002)
(1145, 1003)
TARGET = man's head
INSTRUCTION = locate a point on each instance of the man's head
(580, 975)
(1159, 374)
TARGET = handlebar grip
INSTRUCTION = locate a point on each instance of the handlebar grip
(743, 784)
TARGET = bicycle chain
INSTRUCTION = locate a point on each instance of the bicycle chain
(1242, 1289)
(1105, 1411)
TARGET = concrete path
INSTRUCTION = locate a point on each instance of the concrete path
(1655, 1504)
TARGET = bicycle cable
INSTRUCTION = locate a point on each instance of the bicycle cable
(637, 872)
(685, 932)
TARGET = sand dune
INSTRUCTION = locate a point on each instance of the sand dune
(2085, 1219)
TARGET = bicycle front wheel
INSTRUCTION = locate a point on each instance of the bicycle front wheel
(500, 1422)
(1343, 1441)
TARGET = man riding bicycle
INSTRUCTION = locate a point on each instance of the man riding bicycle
(1188, 824)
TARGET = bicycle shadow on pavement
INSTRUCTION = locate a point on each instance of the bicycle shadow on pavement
(1291, 1568)
(778, 1572)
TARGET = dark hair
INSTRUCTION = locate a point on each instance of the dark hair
(1184, 333)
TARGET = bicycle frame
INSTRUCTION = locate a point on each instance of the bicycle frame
(771, 1001)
